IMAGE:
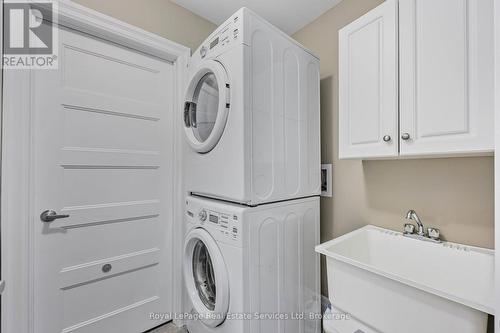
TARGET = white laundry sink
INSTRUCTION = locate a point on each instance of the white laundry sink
(391, 283)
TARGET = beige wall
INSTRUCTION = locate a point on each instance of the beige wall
(161, 17)
(453, 194)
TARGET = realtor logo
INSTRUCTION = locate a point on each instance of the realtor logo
(30, 34)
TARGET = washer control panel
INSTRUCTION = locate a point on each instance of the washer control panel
(222, 224)
(225, 223)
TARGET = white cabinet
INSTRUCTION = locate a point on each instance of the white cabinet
(445, 80)
(368, 90)
(446, 76)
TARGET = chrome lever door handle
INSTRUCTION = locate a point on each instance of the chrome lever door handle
(50, 215)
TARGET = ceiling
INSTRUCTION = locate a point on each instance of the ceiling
(288, 15)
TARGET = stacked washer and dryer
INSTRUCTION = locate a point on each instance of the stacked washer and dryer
(251, 118)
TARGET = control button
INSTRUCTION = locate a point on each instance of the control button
(202, 215)
(203, 52)
(235, 230)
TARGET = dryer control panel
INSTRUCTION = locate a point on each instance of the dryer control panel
(223, 224)
(227, 35)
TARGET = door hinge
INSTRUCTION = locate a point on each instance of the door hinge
(2, 286)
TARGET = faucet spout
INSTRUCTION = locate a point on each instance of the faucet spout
(412, 215)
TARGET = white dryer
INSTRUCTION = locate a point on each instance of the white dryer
(251, 115)
(252, 269)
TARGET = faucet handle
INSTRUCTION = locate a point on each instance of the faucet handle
(409, 228)
(433, 233)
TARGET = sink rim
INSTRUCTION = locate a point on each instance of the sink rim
(484, 304)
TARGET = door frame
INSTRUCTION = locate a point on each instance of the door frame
(17, 260)
(497, 165)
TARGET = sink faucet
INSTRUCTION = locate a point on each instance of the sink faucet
(412, 215)
(432, 234)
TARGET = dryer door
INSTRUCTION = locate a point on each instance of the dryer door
(206, 277)
(206, 106)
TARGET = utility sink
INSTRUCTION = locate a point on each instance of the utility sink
(391, 283)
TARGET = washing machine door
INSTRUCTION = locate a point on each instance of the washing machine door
(206, 106)
(206, 277)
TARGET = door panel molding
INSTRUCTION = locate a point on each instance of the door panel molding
(88, 272)
(102, 323)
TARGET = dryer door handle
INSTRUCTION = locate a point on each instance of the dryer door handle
(186, 114)
(190, 114)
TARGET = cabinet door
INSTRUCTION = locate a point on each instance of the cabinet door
(446, 76)
(368, 85)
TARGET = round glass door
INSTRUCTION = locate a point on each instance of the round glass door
(203, 275)
(206, 106)
(206, 99)
(206, 278)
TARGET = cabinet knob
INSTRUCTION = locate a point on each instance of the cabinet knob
(387, 138)
(405, 136)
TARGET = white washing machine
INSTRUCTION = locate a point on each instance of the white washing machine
(252, 269)
(251, 115)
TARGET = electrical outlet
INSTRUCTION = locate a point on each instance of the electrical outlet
(326, 180)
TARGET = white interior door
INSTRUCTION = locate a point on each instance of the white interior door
(103, 157)
(368, 85)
